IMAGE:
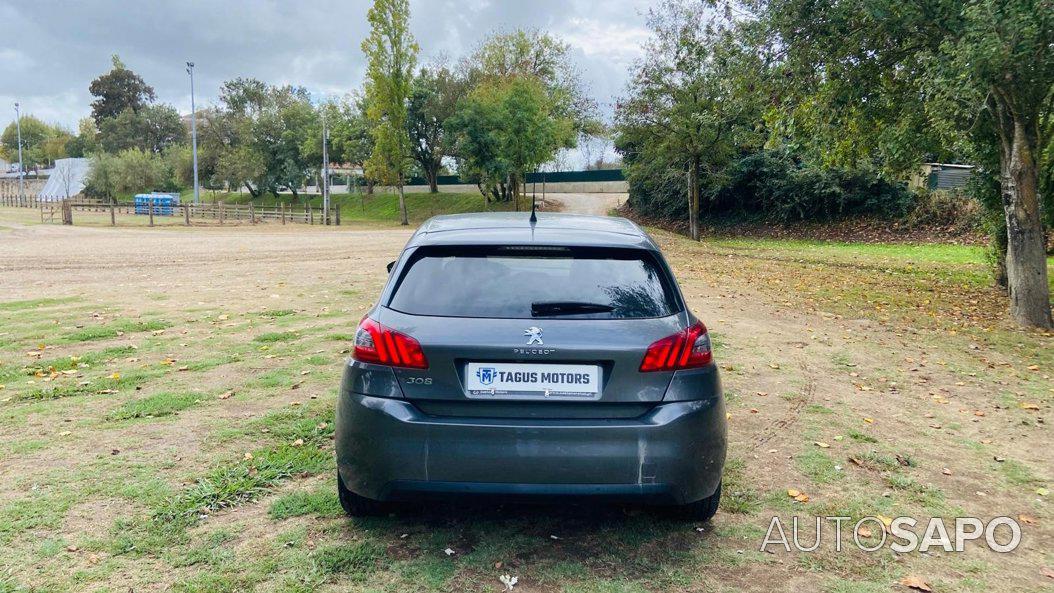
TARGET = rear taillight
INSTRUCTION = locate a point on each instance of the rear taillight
(378, 344)
(686, 349)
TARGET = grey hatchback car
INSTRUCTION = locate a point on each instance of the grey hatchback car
(529, 360)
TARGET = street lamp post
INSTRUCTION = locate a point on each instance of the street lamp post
(194, 132)
(21, 168)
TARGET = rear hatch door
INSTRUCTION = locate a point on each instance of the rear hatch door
(490, 359)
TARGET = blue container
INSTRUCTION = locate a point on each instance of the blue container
(164, 204)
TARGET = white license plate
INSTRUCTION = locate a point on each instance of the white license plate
(489, 379)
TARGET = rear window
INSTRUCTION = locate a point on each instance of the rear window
(527, 283)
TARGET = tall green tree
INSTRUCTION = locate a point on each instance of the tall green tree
(433, 100)
(349, 134)
(688, 106)
(504, 129)
(884, 69)
(118, 90)
(532, 53)
(391, 54)
(256, 138)
(152, 128)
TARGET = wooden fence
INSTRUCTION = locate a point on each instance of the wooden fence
(188, 213)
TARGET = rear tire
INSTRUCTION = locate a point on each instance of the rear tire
(358, 506)
(705, 509)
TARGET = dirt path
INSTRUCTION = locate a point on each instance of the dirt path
(596, 204)
(796, 378)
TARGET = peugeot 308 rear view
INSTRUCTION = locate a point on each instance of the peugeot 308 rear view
(531, 359)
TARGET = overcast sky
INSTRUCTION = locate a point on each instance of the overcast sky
(50, 51)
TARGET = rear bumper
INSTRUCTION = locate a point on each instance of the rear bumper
(388, 449)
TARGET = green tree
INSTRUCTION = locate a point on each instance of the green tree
(349, 134)
(42, 143)
(128, 172)
(391, 56)
(86, 142)
(433, 100)
(689, 110)
(887, 72)
(152, 128)
(102, 176)
(118, 90)
(532, 53)
(257, 137)
(504, 129)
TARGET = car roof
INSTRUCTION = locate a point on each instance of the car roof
(515, 228)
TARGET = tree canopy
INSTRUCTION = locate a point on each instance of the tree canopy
(900, 80)
(118, 90)
(505, 128)
(391, 54)
(42, 143)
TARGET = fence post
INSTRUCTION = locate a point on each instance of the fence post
(337, 215)
(67, 212)
(283, 212)
(113, 215)
(310, 215)
(221, 212)
(252, 214)
(150, 209)
(186, 214)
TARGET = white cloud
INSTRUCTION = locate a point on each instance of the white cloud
(52, 49)
(619, 42)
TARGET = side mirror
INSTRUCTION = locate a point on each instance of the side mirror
(390, 265)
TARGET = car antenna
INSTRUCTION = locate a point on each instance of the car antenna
(534, 201)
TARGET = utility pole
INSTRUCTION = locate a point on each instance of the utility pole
(21, 168)
(194, 132)
(325, 166)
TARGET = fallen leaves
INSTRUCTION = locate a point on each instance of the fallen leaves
(797, 495)
(917, 583)
(226, 394)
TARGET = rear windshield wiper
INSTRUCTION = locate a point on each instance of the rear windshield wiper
(551, 308)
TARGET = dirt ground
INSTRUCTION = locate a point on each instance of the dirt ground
(863, 414)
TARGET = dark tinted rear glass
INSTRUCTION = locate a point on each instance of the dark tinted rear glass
(519, 283)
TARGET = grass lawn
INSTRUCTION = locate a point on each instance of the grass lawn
(380, 207)
(166, 422)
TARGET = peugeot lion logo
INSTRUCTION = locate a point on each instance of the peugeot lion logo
(534, 335)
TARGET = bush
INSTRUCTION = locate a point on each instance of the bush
(131, 171)
(770, 185)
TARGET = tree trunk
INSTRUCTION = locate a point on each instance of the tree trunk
(252, 192)
(1026, 261)
(693, 198)
(432, 173)
(999, 253)
(402, 205)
